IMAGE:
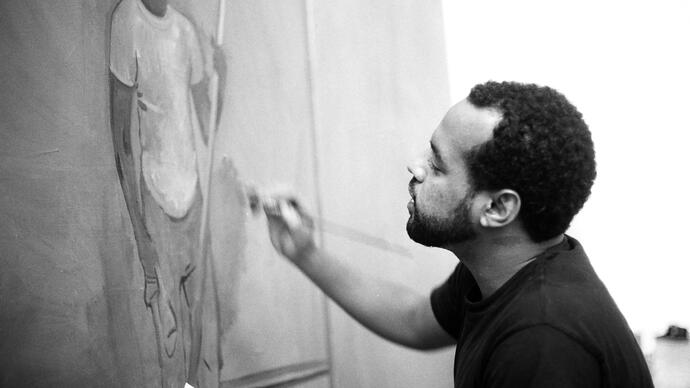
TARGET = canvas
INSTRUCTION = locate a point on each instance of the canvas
(329, 99)
(130, 258)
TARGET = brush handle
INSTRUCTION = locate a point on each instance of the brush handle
(275, 207)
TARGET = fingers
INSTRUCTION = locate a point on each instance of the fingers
(286, 211)
(290, 227)
(281, 203)
(290, 215)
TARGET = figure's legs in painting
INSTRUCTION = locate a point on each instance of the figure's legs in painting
(207, 371)
(166, 338)
(166, 305)
(176, 241)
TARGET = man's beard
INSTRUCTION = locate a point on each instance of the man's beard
(436, 232)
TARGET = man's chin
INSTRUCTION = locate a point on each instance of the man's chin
(428, 237)
(419, 235)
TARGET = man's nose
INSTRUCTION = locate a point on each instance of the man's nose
(418, 172)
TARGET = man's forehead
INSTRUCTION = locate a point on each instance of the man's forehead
(465, 126)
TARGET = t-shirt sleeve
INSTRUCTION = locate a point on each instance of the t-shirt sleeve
(446, 302)
(122, 54)
(541, 356)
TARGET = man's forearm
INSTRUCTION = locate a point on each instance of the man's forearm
(392, 310)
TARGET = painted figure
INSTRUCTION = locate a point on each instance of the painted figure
(159, 100)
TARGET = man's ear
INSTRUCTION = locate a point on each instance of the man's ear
(501, 209)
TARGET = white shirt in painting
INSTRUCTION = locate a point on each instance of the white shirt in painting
(161, 57)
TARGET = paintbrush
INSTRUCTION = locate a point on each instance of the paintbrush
(274, 205)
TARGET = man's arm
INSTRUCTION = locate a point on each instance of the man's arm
(393, 311)
(121, 97)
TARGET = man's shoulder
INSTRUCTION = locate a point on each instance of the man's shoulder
(571, 288)
(565, 293)
(575, 316)
(562, 290)
(125, 10)
(563, 286)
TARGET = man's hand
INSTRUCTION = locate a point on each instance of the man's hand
(290, 228)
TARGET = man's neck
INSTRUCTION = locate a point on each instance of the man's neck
(494, 260)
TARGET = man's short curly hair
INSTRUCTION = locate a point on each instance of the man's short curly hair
(541, 148)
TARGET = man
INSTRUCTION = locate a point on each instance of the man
(506, 171)
(157, 68)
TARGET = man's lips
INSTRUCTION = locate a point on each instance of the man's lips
(410, 206)
(411, 203)
(410, 189)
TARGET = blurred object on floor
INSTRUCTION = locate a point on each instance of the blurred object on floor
(676, 333)
(670, 363)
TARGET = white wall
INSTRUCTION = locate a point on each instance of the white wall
(625, 66)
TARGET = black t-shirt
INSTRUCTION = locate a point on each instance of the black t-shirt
(553, 324)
